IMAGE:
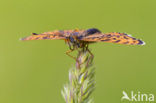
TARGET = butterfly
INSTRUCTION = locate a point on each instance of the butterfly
(82, 38)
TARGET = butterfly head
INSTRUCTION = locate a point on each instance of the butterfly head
(72, 39)
(73, 42)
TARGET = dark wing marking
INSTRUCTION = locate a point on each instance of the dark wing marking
(92, 31)
(46, 35)
(113, 37)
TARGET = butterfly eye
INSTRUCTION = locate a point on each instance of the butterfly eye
(71, 39)
(93, 30)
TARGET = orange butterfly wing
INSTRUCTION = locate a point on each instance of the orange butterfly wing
(46, 35)
(113, 37)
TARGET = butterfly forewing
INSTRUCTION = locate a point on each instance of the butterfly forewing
(113, 37)
(46, 35)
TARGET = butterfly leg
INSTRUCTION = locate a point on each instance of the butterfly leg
(71, 50)
(91, 56)
(76, 59)
(68, 53)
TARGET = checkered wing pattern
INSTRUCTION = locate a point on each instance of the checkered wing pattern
(46, 35)
(113, 37)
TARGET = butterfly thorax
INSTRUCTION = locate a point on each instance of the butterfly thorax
(74, 39)
(74, 43)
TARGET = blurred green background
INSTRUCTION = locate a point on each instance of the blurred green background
(35, 71)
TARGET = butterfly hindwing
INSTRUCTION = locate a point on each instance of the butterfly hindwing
(113, 37)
